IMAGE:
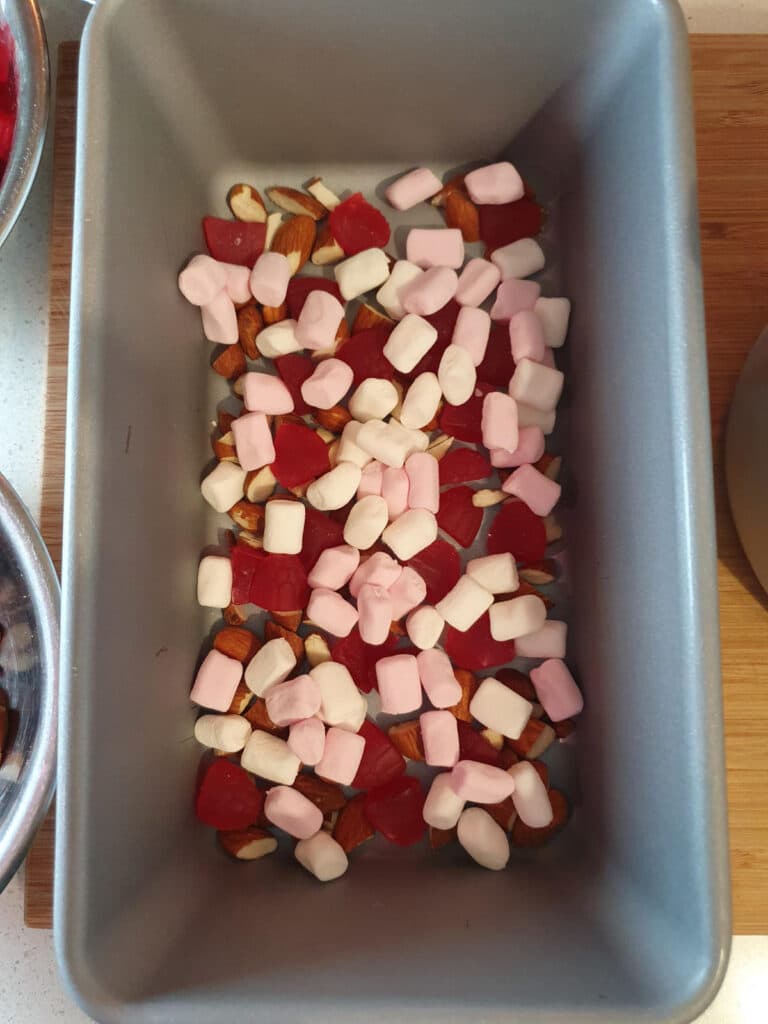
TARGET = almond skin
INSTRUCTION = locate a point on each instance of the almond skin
(249, 324)
(295, 239)
(293, 201)
(461, 212)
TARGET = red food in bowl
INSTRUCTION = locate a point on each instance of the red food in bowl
(7, 97)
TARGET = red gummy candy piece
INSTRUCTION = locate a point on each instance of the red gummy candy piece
(7, 122)
(381, 761)
(360, 658)
(476, 649)
(300, 455)
(234, 241)
(444, 321)
(245, 561)
(498, 365)
(356, 225)
(228, 797)
(458, 517)
(462, 464)
(474, 747)
(320, 532)
(465, 422)
(515, 528)
(300, 287)
(364, 352)
(396, 810)
(294, 370)
(439, 566)
(279, 583)
(508, 222)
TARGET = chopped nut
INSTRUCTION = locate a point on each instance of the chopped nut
(540, 573)
(249, 324)
(440, 446)
(293, 201)
(406, 736)
(295, 239)
(486, 498)
(249, 844)
(246, 204)
(553, 528)
(274, 220)
(242, 697)
(326, 250)
(333, 419)
(230, 362)
(276, 631)
(352, 827)
(316, 649)
(273, 315)
(248, 515)
(234, 615)
(468, 685)
(260, 484)
(367, 317)
(238, 643)
(495, 739)
(323, 194)
(224, 447)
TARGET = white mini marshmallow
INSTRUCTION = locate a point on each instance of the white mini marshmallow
(554, 314)
(484, 840)
(322, 857)
(273, 663)
(223, 732)
(390, 443)
(349, 450)
(335, 488)
(499, 708)
(530, 797)
(410, 533)
(271, 758)
(457, 375)
(443, 807)
(547, 642)
(341, 703)
(365, 522)
(409, 342)
(373, 399)
(464, 604)
(284, 526)
(224, 486)
(519, 259)
(517, 617)
(214, 581)
(388, 296)
(278, 339)
(362, 273)
(421, 401)
(497, 573)
(527, 416)
(424, 626)
(536, 385)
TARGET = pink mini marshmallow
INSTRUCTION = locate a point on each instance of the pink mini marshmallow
(331, 612)
(514, 296)
(398, 682)
(557, 690)
(495, 184)
(435, 247)
(547, 642)
(328, 384)
(291, 811)
(371, 480)
(253, 441)
(394, 490)
(477, 281)
(264, 393)
(530, 448)
(413, 188)
(306, 740)
(334, 567)
(380, 570)
(481, 783)
(440, 736)
(538, 492)
(407, 592)
(473, 327)
(238, 283)
(436, 673)
(341, 757)
(202, 280)
(220, 320)
(216, 681)
(499, 422)
(424, 481)
(269, 278)
(374, 606)
(319, 320)
(526, 337)
(293, 700)
(430, 291)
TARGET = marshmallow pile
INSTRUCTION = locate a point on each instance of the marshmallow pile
(271, 708)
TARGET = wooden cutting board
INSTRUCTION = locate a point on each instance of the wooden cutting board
(731, 90)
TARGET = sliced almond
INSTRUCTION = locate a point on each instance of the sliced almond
(230, 362)
(316, 649)
(406, 736)
(246, 204)
(367, 317)
(333, 419)
(494, 738)
(295, 240)
(253, 540)
(249, 324)
(260, 484)
(326, 250)
(440, 446)
(460, 212)
(248, 844)
(248, 515)
(238, 643)
(487, 498)
(224, 447)
(456, 183)
(468, 685)
(234, 615)
(293, 201)
(277, 631)
(541, 573)
(553, 529)
(323, 194)
(274, 220)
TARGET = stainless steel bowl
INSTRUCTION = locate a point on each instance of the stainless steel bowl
(26, 25)
(29, 666)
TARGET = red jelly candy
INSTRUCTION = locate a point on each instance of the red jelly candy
(364, 352)
(228, 797)
(300, 287)
(462, 464)
(498, 365)
(458, 517)
(356, 225)
(444, 321)
(279, 583)
(245, 561)
(320, 532)
(474, 747)
(234, 241)
(396, 810)
(476, 649)
(381, 761)
(294, 370)
(439, 566)
(515, 528)
(508, 222)
(464, 422)
(360, 658)
(7, 122)
(300, 455)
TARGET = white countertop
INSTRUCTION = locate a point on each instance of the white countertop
(30, 990)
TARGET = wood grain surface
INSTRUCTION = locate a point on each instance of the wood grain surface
(730, 76)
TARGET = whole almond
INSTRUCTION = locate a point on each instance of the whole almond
(461, 212)
(247, 844)
(246, 204)
(295, 240)
(333, 419)
(406, 736)
(249, 324)
(326, 250)
(293, 201)
(230, 362)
